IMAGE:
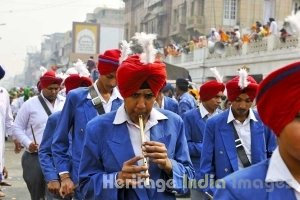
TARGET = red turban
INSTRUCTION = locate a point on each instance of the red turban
(234, 90)
(49, 78)
(74, 81)
(278, 98)
(210, 89)
(132, 74)
(109, 61)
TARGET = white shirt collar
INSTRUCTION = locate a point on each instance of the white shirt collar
(250, 116)
(121, 116)
(278, 171)
(115, 93)
(203, 111)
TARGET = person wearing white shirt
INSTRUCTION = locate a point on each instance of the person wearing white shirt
(6, 121)
(112, 163)
(273, 27)
(278, 104)
(236, 138)
(28, 129)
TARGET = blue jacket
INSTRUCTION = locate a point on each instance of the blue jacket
(45, 153)
(170, 104)
(255, 186)
(77, 111)
(219, 156)
(186, 102)
(194, 131)
(105, 152)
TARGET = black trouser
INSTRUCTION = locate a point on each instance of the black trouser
(33, 176)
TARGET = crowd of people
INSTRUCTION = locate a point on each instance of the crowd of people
(231, 37)
(128, 134)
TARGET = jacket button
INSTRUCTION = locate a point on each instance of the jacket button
(221, 152)
(81, 130)
(226, 170)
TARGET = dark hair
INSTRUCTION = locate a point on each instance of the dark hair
(182, 84)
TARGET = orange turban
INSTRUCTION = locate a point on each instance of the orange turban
(278, 98)
(132, 74)
(210, 89)
(49, 78)
(109, 61)
(234, 90)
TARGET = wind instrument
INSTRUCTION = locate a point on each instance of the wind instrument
(141, 123)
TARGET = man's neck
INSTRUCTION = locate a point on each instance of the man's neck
(104, 92)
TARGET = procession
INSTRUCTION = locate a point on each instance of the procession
(123, 122)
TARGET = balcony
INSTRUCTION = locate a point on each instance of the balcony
(195, 22)
(262, 57)
(177, 28)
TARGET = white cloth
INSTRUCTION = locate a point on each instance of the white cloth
(278, 171)
(244, 132)
(6, 122)
(205, 113)
(214, 36)
(273, 28)
(16, 105)
(134, 129)
(32, 114)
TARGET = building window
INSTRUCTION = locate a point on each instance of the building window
(193, 8)
(296, 6)
(230, 12)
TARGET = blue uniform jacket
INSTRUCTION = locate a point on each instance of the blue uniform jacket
(194, 131)
(108, 146)
(219, 156)
(253, 186)
(77, 111)
(170, 104)
(45, 153)
(186, 102)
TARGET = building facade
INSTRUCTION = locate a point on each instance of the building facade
(182, 20)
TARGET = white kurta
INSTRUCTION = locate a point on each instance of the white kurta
(6, 121)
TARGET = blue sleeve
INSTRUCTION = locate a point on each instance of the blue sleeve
(183, 106)
(45, 153)
(95, 183)
(226, 193)
(195, 147)
(207, 167)
(182, 166)
(60, 144)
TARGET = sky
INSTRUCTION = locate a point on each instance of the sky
(24, 22)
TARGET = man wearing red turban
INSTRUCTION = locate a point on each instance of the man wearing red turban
(235, 138)
(79, 109)
(73, 81)
(119, 137)
(211, 94)
(28, 128)
(278, 104)
(49, 78)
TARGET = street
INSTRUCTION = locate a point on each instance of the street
(18, 190)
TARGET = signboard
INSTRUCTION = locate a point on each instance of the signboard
(86, 38)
